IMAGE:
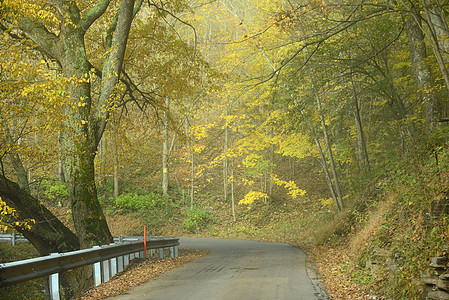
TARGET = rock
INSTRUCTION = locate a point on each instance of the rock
(430, 279)
(439, 262)
(439, 206)
(443, 284)
(437, 295)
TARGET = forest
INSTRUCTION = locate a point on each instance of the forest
(323, 124)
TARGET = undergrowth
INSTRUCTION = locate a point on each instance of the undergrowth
(390, 232)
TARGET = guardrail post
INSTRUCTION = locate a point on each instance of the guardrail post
(172, 252)
(106, 270)
(161, 253)
(126, 260)
(120, 264)
(13, 239)
(97, 271)
(54, 283)
(176, 251)
(113, 262)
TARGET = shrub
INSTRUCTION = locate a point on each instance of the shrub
(197, 219)
(135, 202)
(54, 190)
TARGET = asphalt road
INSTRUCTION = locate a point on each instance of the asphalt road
(234, 269)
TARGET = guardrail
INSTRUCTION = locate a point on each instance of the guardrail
(15, 238)
(107, 260)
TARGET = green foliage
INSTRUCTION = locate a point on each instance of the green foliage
(53, 190)
(197, 219)
(133, 202)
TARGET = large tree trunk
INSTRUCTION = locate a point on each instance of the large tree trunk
(80, 146)
(436, 21)
(48, 234)
(421, 69)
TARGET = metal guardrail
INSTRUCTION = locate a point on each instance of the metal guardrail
(107, 261)
(15, 238)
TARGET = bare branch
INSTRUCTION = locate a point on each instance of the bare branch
(151, 3)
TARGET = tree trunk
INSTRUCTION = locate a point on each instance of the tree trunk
(331, 156)
(439, 35)
(225, 158)
(16, 161)
(232, 193)
(421, 69)
(363, 153)
(192, 181)
(270, 189)
(397, 104)
(192, 165)
(115, 176)
(80, 146)
(166, 153)
(61, 176)
(323, 163)
(48, 234)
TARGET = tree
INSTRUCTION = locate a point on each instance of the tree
(166, 151)
(60, 35)
(422, 70)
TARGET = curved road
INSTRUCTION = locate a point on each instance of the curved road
(234, 269)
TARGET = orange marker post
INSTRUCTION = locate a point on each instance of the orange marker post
(145, 242)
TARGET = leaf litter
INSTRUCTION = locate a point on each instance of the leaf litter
(140, 271)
